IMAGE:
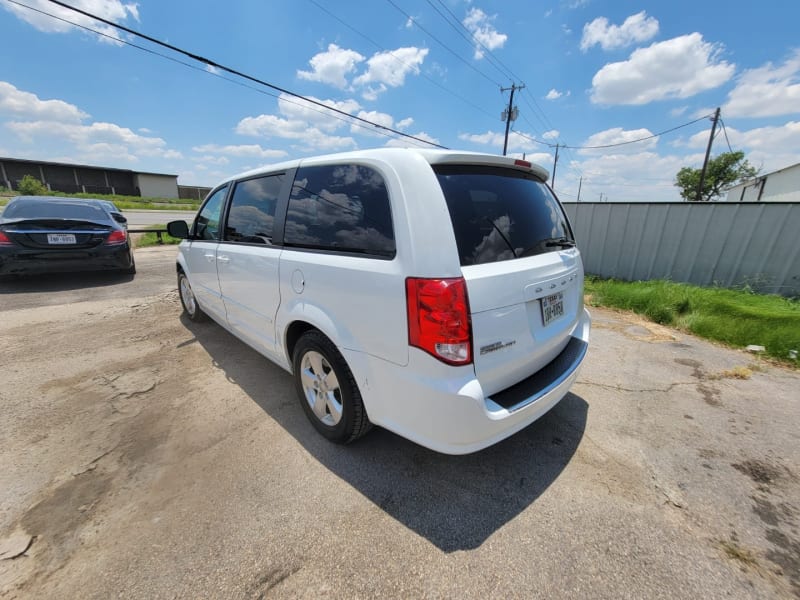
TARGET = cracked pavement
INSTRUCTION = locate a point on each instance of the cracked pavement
(144, 456)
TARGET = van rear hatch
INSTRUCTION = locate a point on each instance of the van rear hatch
(522, 270)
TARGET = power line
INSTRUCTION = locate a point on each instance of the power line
(470, 37)
(202, 70)
(401, 61)
(232, 71)
(725, 131)
(441, 43)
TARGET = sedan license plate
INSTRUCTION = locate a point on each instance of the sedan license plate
(552, 307)
(60, 238)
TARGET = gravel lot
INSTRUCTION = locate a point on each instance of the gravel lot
(144, 456)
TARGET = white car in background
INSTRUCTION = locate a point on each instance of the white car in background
(438, 294)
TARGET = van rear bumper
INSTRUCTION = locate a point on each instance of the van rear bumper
(444, 408)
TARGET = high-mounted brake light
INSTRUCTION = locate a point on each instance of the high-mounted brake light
(4, 241)
(523, 163)
(438, 318)
(116, 237)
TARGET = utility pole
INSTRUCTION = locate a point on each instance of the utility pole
(510, 114)
(580, 183)
(555, 164)
(714, 120)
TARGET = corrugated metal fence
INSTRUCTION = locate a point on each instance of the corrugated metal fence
(709, 243)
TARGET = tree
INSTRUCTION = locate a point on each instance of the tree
(723, 171)
(30, 186)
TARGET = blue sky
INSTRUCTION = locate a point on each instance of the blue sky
(595, 72)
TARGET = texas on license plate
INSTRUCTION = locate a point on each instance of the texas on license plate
(552, 307)
(60, 238)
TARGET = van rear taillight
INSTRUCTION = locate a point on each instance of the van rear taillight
(438, 318)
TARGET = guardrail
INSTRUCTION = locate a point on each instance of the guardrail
(158, 232)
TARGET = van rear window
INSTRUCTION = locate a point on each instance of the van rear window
(500, 214)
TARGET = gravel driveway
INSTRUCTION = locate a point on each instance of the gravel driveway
(144, 456)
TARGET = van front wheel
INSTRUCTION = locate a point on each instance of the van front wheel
(327, 389)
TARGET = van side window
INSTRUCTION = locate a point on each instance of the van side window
(252, 210)
(343, 208)
(206, 226)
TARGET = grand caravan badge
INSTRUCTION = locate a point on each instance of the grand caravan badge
(496, 346)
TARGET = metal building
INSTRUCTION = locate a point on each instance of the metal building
(779, 186)
(72, 179)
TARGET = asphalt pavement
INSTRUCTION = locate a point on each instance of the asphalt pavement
(146, 456)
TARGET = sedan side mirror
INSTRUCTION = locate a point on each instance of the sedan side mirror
(178, 229)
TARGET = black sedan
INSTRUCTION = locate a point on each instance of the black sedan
(46, 234)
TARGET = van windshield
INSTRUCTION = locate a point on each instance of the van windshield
(501, 214)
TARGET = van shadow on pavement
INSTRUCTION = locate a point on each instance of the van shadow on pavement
(455, 502)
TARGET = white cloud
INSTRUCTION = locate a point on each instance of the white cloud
(636, 28)
(551, 135)
(548, 12)
(332, 66)
(678, 111)
(298, 109)
(212, 69)
(767, 91)
(112, 10)
(98, 141)
(307, 133)
(405, 123)
(392, 67)
(676, 68)
(518, 142)
(409, 143)
(479, 25)
(380, 118)
(239, 151)
(26, 105)
(618, 135)
(553, 94)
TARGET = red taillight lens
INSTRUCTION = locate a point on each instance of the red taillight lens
(116, 237)
(523, 163)
(438, 318)
(4, 241)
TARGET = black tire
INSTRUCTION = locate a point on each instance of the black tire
(313, 347)
(191, 308)
(132, 269)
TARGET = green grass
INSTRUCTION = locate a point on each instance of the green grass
(733, 317)
(125, 202)
(151, 239)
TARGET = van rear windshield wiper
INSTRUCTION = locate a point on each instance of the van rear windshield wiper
(562, 242)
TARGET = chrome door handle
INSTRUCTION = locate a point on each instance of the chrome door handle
(223, 259)
(210, 257)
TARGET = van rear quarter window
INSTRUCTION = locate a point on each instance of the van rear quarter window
(500, 214)
(341, 208)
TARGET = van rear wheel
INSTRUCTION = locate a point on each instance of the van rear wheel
(327, 389)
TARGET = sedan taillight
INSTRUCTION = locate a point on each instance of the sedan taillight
(438, 318)
(4, 241)
(116, 237)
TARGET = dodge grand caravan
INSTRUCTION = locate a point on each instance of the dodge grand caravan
(438, 294)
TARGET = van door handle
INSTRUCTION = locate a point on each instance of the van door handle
(223, 259)
(210, 257)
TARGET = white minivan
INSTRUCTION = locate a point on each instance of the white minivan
(438, 294)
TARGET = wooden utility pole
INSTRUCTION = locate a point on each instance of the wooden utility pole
(509, 114)
(714, 119)
(555, 164)
(580, 184)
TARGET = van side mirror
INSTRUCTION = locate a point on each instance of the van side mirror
(178, 229)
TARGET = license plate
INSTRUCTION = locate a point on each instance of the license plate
(60, 238)
(552, 307)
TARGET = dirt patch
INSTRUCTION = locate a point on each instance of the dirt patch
(759, 471)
